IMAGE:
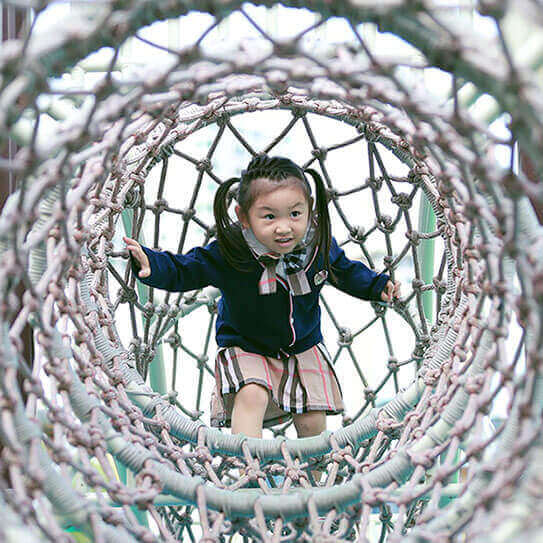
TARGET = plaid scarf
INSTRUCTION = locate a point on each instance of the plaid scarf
(292, 264)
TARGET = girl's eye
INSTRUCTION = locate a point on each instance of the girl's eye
(268, 216)
(297, 213)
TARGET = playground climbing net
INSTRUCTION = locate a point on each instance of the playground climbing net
(90, 451)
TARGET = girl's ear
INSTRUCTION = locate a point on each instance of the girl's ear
(241, 216)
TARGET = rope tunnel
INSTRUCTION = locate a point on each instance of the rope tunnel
(105, 432)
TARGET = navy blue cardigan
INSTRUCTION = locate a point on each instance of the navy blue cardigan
(271, 324)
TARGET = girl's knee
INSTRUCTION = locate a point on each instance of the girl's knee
(310, 424)
(253, 396)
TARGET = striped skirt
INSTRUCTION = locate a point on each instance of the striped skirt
(297, 384)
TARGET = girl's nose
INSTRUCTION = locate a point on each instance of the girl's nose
(283, 229)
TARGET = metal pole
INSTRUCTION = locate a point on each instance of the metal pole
(527, 167)
(427, 223)
(12, 24)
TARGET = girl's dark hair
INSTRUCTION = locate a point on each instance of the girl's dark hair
(229, 235)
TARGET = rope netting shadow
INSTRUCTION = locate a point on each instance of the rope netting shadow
(105, 433)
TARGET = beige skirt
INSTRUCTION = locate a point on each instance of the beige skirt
(297, 384)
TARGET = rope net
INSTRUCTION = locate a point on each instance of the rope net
(98, 446)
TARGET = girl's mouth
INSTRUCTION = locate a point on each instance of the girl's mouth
(283, 241)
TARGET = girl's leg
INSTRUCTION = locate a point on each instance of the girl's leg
(250, 404)
(310, 424)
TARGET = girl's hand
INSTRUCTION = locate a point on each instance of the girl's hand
(137, 252)
(391, 290)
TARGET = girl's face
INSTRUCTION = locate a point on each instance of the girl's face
(277, 218)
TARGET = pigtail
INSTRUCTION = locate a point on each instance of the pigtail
(324, 237)
(229, 235)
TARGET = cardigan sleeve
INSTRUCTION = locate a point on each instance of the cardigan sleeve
(195, 269)
(354, 277)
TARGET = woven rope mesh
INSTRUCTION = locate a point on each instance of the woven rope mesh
(105, 433)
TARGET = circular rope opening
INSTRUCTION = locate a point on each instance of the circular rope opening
(418, 456)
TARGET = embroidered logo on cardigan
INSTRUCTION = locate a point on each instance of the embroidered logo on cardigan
(320, 277)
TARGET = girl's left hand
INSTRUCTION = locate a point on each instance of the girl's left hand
(391, 290)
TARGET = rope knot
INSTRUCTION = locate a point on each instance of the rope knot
(385, 224)
(204, 165)
(128, 295)
(440, 285)
(392, 365)
(474, 383)
(538, 286)
(174, 339)
(149, 309)
(286, 47)
(388, 260)
(414, 237)
(430, 377)
(492, 8)
(134, 414)
(96, 437)
(471, 210)
(294, 474)
(345, 337)
(320, 153)
(107, 395)
(132, 198)
(460, 353)
(188, 213)
(386, 514)
(331, 194)
(512, 185)
(370, 496)
(417, 284)
(402, 200)
(375, 183)
(386, 424)
(149, 485)
(379, 308)
(445, 185)
(203, 455)
(161, 310)
(423, 459)
(115, 377)
(414, 176)
(222, 120)
(357, 233)
(372, 132)
(159, 206)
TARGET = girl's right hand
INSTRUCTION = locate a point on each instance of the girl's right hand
(134, 248)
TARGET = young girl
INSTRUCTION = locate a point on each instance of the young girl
(270, 267)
